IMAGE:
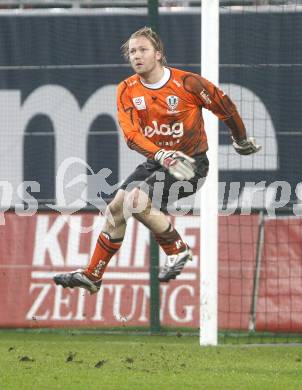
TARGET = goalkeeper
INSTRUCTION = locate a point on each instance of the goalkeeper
(160, 115)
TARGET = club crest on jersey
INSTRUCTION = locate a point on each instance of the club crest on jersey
(139, 103)
(172, 102)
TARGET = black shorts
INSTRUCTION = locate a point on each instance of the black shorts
(163, 189)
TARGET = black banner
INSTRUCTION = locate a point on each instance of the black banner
(68, 59)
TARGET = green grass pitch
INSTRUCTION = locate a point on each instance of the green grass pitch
(70, 360)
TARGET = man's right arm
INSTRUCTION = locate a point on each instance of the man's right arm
(130, 124)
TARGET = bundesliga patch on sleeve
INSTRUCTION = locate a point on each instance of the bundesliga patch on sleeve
(139, 103)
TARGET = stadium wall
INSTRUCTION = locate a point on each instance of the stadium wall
(59, 74)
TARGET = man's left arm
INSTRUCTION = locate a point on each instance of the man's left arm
(212, 98)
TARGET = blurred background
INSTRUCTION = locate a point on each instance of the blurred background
(60, 64)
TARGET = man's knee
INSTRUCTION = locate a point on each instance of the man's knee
(137, 201)
(115, 207)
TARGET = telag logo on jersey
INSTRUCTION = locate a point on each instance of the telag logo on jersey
(176, 130)
(172, 102)
(139, 103)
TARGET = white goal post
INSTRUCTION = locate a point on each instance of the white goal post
(209, 192)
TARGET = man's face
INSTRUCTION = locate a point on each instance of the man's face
(142, 55)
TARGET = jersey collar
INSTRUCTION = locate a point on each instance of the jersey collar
(161, 82)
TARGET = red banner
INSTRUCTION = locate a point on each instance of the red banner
(279, 306)
(35, 248)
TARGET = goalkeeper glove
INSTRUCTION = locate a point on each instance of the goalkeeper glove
(246, 146)
(178, 164)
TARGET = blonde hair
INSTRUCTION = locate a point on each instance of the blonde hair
(152, 36)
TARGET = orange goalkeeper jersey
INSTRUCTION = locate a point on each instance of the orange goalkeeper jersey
(170, 117)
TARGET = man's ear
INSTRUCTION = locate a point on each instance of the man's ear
(158, 55)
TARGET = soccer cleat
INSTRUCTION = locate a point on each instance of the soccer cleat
(77, 279)
(174, 265)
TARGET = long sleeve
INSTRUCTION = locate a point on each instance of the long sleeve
(212, 98)
(129, 122)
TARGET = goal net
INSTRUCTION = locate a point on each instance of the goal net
(260, 236)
